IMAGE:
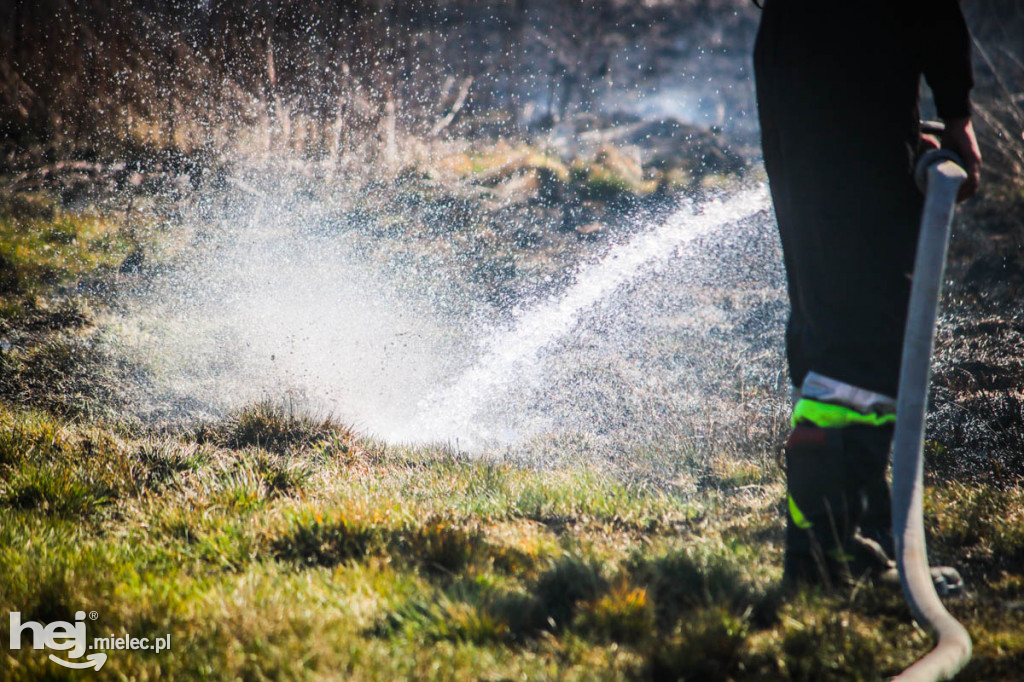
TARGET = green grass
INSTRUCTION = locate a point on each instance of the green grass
(41, 246)
(272, 544)
(415, 563)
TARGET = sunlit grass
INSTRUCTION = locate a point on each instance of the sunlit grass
(416, 563)
(44, 251)
(275, 544)
(162, 535)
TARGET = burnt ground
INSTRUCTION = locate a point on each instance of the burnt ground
(977, 422)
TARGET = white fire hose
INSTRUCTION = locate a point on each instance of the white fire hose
(939, 173)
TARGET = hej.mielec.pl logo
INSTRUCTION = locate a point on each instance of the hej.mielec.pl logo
(61, 635)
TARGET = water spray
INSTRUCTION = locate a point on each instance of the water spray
(285, 296)
(940, 175)
(509, 353)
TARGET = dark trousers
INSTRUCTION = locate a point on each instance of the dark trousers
(837, 95)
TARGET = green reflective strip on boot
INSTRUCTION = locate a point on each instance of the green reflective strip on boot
(839, 555)
(798, 516)
(829, 416)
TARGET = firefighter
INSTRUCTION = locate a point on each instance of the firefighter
(837, 92)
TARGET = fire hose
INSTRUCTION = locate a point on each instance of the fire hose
(940, 175)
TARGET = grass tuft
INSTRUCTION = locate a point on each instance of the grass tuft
(826, 646)
(441, 619)
(269, 426)
(443, 548)
(313, 540)
(28, 434)
(679, 584)
(979, 523)
(166, 460)
(708, 645)
(55, 488)
(560, 591)
(623, 614)
(40, 247)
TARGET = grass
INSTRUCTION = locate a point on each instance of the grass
(41, 246)
(270, 427)
(415, 563)
(273, 544)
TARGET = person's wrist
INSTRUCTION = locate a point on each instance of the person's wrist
(959, 136)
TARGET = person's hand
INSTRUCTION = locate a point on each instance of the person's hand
(959, 137)
(926, 143)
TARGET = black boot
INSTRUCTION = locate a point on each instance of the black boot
(839, 521)
(822, 514)
(869, 446)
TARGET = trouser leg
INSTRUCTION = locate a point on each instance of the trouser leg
(838, 130)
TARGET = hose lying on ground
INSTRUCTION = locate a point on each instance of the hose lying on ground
(940, 175)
